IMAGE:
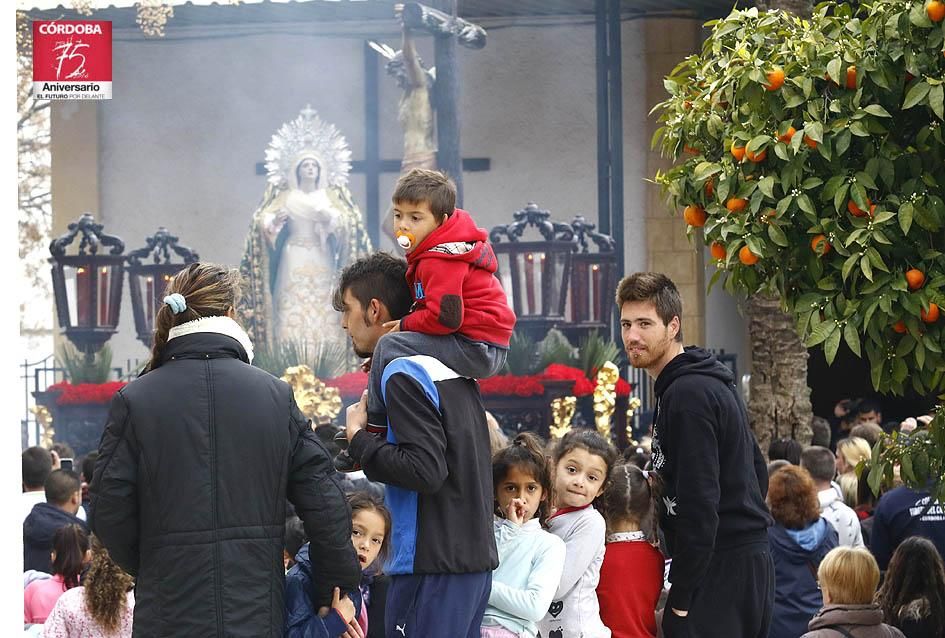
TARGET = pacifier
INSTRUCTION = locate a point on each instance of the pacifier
(405, 239)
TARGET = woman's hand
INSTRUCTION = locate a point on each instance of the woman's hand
(392, 326)
(343, 606)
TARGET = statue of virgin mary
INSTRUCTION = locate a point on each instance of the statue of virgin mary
(306, 230)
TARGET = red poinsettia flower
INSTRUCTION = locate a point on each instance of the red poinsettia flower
(350, 385)
(511, 385)
(85, 392)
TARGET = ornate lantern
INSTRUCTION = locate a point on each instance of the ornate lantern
(87, 285)
(148, 280)
(537, 271)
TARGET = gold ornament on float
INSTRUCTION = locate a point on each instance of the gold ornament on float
(562, 411)
(605, 397)
(44, 418)
(632, 406)
(317, 401)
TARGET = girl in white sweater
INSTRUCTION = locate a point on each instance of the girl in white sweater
(530, 559)
(582, 464)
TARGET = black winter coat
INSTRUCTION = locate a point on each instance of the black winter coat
(189, 494)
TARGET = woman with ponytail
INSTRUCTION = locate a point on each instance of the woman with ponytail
(197, 458)
(101, 607)
(631, 578)
(70, 546)
(531, 559)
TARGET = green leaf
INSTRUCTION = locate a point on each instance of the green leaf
(919, 355)
(866, 268)
(859, 129)
(821, 333)
(877, 110)
(840, 197)
(849, 264)
(843, 141)
(833, 69)
(784, 204)
(705, 170)
(804, 203)
(858, 194)
(864, 178)
(906, 212)
(937, 100)
(757, 143)
(777, 235)
(815, 131)
(876, 259)
(916, 94)
(905, 345)
(766, 186)
(852, 337)
(832, 345)
(905, 467)
(875, 478)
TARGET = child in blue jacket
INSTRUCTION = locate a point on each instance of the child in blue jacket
(370, 531)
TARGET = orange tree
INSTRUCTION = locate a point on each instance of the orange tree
(813, 151)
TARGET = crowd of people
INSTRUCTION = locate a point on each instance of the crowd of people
(214, 508)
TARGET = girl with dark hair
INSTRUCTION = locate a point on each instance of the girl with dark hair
(531, 560)
(913, 594)
(70, 546)
(198, 457)
(799, 540)
(583, 460)
(631, 578)
(370, 536)
(102, 607)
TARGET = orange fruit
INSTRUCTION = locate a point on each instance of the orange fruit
(687, 105)
(932, 315)
(756, 157)
(810, 142)
(738, 152)
(788, 134)
(776, 78)
(747, 257)
(692, 150)
(694, 215)
(916, 278)
(856, 211)
(736, 204)
(935, 10)
(900, 327)
(851, 77)
(820, 245)
(710, 188)
(717, 250)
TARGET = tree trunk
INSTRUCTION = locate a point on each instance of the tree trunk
(779, 403)
(779, 399)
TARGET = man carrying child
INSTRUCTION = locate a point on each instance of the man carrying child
(435, 455)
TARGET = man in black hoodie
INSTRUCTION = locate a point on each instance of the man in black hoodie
(63, 496)
(714, 515)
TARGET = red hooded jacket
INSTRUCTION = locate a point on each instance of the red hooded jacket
(452, 275)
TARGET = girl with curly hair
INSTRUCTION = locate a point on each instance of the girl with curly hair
(102, 607)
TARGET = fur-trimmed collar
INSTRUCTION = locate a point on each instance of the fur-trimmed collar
(222, 325)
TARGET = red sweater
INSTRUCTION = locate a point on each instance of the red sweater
(631, 580)
(452, 275)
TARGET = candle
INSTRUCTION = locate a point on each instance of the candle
(83, 291)
(530, 282)
(149, 295)
(595, 277)
(103, 297)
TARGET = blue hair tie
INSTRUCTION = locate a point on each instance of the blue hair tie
(177, 302)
